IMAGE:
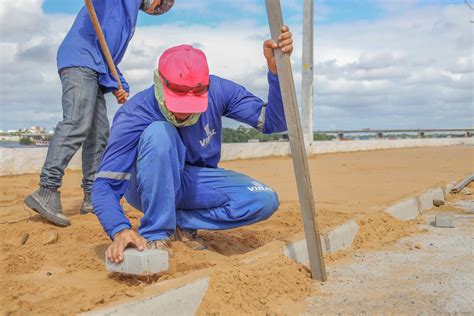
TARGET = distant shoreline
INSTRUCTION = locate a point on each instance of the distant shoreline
(10, 144)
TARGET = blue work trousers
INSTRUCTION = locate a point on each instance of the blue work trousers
(172, 193)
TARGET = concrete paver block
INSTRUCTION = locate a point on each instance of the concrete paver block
(444, 220)
(405, 210)
(341, 237)
(146, 262)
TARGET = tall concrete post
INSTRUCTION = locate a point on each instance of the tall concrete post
(307, 72)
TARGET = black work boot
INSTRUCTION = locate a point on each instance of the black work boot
(47, 203)
(86, 206)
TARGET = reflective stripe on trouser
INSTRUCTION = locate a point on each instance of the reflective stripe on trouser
(84, 123)
(172, 194)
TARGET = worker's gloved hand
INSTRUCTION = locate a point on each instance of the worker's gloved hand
(122, 240)
(121, 96)
(285, 43)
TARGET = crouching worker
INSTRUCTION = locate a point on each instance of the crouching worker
(164, 148)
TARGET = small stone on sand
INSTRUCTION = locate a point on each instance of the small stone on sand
(24, 238)
(466, 191)
(51, 238)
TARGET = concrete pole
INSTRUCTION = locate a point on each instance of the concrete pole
(307, 72)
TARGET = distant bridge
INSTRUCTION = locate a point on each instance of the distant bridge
(468, 132)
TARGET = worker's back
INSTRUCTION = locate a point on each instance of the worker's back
(81, 47)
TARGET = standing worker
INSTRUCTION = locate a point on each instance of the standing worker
(164, 149)
(85, 78)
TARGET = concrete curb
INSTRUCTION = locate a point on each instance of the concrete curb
(336, 239)
(447, 189)
(409, 209)
(405, 210)
(183, 300)
(342, 236)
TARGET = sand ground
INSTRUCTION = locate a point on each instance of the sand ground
(67, 276)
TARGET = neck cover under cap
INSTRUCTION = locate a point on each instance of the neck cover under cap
(162, 8)
(159, 95)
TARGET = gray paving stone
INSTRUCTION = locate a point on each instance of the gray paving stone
(444, 220)
(146, 262)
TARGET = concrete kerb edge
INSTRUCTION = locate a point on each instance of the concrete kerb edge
(182, 300)
(334, 240)
(342, 236)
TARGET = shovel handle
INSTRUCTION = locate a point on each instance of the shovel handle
(102, 42)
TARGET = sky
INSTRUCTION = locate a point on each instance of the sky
(377, 63)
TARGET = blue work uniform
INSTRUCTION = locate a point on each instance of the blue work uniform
(171, 174)
(81, 47)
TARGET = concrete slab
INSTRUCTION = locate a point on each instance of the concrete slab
(405, 210)
(444, 220)
(341, 237)
(184, 300)
(146, 262)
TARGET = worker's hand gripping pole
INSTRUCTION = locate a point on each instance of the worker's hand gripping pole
(102, 42)
(300, 162)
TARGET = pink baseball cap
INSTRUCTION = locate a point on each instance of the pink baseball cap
(185, 76)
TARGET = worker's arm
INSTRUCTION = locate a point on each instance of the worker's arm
(247, 108)
(112, 181)
(114, 172)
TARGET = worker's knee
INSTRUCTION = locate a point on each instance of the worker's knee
(268, 204)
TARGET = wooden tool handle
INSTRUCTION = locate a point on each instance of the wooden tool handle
(102, 42)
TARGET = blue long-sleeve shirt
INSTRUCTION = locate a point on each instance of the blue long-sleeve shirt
(81, 47)
(203, 140)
